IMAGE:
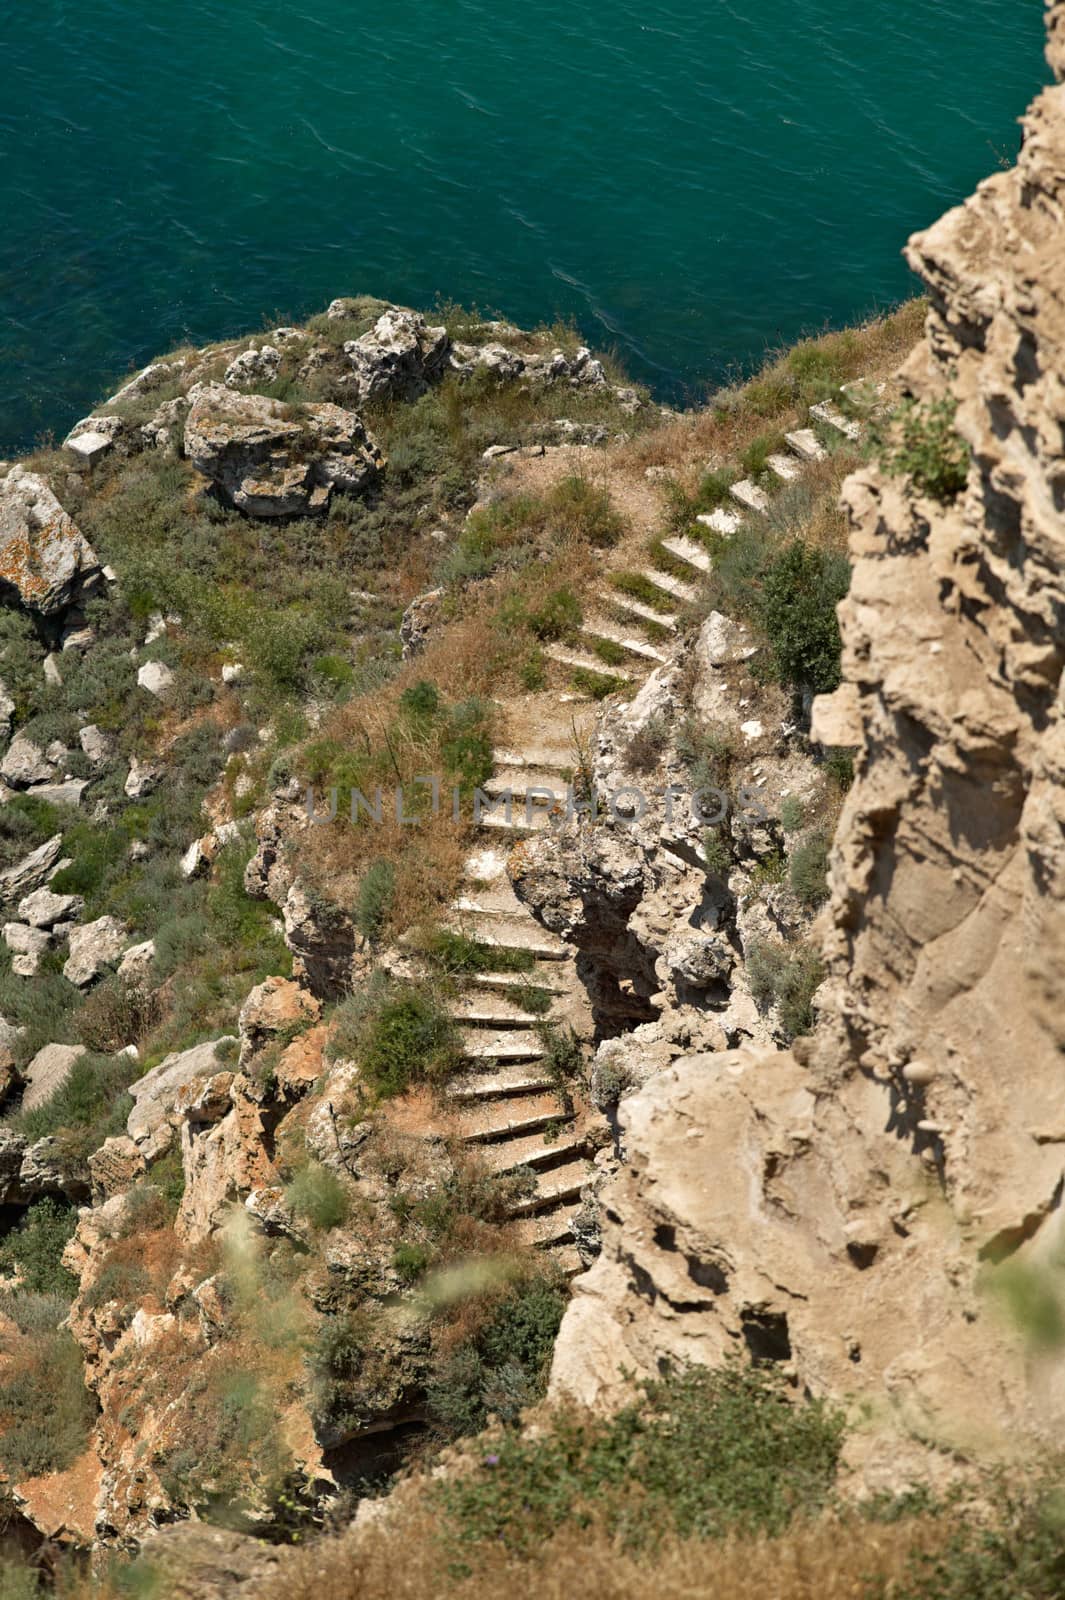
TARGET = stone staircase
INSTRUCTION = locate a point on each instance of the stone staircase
(507, 1103)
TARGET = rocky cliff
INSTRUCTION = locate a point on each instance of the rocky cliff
(846, 1208)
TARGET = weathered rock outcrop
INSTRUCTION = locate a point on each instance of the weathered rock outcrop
(44, 558)
(274, 460)
(847, 1208)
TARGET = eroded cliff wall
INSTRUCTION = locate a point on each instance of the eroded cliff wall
(846, 1208)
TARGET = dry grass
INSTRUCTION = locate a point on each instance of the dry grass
(722, 432)
(404, 1558)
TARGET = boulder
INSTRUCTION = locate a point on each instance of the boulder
(271, 459)
(256, 365)
(399, 358)
(43, 908)
(156, 677)
(94, 437)
(142, 778)
(151, 1123)
(7, 711)
(94, 946)
(28, 946)
(31, 871)
(44, 558)
(68, 793)
(97, 746)
(418, 620)
(25, 763)
(275, 1008)
(136, 964)
(48, 1072)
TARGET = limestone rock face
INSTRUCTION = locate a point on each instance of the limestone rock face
(274, 460)
(44, 558)
(399, 358)
(846, 1208)
(152, 1122)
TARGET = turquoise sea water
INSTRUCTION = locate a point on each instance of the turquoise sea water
(692, 180)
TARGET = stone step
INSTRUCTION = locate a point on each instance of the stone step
(493, 1011)
(497, 935)
(633, 647)
(545, 1233)
(519, 780)
(676, 588)
(636, 608)
(542, 976)
(784, 467)
(830, 416)
(533, 1152)
(554, 1188)
(525, 1124)
(568, 1259)
(806, 445)
(693, 555)
(497, 899)
(509, 1083)
(555, 761)
(750, 495)
(721, 521)
(517, 827)
(502, 1045)
(580, 661)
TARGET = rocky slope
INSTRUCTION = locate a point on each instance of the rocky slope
(847, 1208)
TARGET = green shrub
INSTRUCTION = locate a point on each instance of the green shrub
(709, 749)
(639, 587)
(376, 893)
(557, 616)
(34, 1248)
(717, 851)
(504, 1367)
(597, 685)
(785, 976)
(411, 1260)
(48, 1410)
(755, 458)
(702, 1454)
(792, 813)
(801, 589)
(925, 446)
(457, 954)
(406, 1037)
(808, 870)
(1019, 1555)
(317, 1194)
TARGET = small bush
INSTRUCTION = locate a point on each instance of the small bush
(376, 894)
(792, 813)
(702, 1454)
(47, 1409)
(558, 615)
(408, 1037)
(787, 978)
(457, 954)
(34, 1249)
(318, 1195)
(717, 851)
(504, 1366)
(925, 446)
(808, 870)
(801, 589)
